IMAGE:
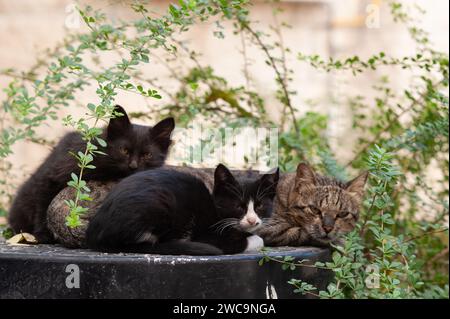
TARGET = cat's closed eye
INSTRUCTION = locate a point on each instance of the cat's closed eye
(124, 151)
(147, 156)
(315, 209)
(343, 214)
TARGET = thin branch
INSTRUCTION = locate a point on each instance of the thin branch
(246, 63)
(278, 74)
(426, 234)
(299, 264)
(440, 254)
(391, 123)
(277, 30)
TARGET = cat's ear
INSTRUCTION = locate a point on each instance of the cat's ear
(269, 182)
(305, 175)
(356, 186)
(118, 125)
(162, 131)
(223, 178)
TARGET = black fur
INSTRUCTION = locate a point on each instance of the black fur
(179, 213)
(127, 152)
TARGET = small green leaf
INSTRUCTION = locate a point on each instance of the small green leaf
(101, 142)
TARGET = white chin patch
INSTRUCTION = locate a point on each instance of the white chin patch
(148, 237)
(254, 244)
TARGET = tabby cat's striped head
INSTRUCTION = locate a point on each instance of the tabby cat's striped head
(325, 207)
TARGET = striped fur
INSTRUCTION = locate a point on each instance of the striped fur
(311, 209)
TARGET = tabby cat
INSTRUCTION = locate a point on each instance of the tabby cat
(311, 209)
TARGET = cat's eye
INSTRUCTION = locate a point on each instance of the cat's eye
(315, 210)
(124, 151)
(147, 156)
(343, 214)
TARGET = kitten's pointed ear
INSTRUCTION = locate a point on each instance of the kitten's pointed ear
(118, 125)
(305, 175)
(162, 131)
(356, 186)
(223, 177)
(271, 179)
(269, 182)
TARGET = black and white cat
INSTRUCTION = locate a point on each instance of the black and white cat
(167, 212)
(130, 148)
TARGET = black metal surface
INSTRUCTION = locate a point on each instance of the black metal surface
(40, 272)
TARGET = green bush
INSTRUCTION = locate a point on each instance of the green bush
(402, 134)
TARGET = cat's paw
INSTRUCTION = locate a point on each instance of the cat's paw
(338, 242)
(254, 243)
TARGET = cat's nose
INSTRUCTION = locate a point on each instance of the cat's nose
(133, 165)
(327, 229)
(251, 220)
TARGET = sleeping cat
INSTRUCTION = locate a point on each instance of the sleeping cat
(58, 210)
(311, 209)
(130, 148)
(163, 211)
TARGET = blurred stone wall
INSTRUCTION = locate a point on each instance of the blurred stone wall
(327, 28)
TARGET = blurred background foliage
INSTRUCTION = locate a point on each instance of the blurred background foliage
(402, 134)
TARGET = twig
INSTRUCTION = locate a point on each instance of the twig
(246, 64)
(277, 30)
(300, 264)
(283, 85)
(437, 256)
(426, 234)
(387, 127)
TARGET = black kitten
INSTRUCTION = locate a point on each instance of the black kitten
(167, 212)
(130, 148)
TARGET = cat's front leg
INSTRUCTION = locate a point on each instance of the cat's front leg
(254, 244)
(41, 231)
(278, 232)
(43, 235)
(237, 241)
